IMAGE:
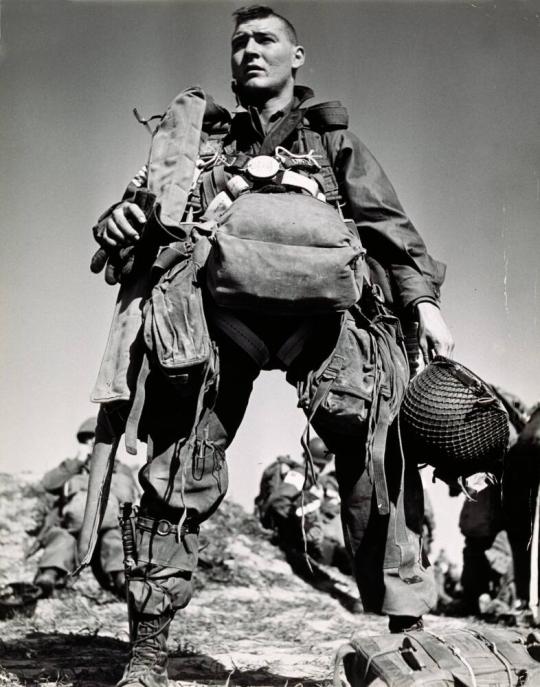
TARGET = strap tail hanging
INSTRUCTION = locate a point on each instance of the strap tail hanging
(196, 442)
(378, 424)
(132, 425)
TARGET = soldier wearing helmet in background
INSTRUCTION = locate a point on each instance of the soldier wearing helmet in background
(520, 495)
(489, 535)
(305, 515)
(65, 488)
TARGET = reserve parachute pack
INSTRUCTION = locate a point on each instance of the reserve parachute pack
(279, 247)
(280, 244)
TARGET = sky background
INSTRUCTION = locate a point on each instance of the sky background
(445, 94)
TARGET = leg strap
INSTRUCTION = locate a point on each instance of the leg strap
(241, 334)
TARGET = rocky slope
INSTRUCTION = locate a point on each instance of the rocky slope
(252, 621)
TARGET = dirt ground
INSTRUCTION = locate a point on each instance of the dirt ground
(252, 621)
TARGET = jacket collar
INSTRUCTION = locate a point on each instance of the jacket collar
(300, 95)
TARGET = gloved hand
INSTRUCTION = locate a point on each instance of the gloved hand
(118, 233)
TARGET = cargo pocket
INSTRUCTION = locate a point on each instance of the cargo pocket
(175, 323)
(338, 396)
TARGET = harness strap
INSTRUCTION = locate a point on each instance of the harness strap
(135, 413)
(241, 334)
(219, 177)
(209, 188)
(377, 455)
(409, 558)
(292, 348)
(282, 131)
(377, 433)
(312, 140)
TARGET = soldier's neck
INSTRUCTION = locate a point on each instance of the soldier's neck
(267, 106)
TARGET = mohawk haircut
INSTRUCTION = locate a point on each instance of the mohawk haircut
(244, 14)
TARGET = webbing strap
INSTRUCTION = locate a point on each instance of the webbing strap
(219, 177)
(281, 132)
(378, 452)
(311, 140)
(378, 423)
(295, 343)
(241, 334)
(209, 188)
(134, 417)
(509, 650)
(444, 658)
(408, 567)
(382, 663)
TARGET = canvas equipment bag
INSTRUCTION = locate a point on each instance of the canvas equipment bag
(284, 253)
(457, 658)
(175, 329)
(281, 244)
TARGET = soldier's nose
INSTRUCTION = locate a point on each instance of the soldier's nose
(252, 47)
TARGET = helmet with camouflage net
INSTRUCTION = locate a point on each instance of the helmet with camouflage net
(452, 420)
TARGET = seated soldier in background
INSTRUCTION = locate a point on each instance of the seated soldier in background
(65, 489)
(305, 517)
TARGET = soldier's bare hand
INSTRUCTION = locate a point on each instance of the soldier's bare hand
(124, 225)
(434, 336)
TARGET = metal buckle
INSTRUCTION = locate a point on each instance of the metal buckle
(262, 167)
(164, 527)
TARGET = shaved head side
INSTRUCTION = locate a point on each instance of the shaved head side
(244, 14)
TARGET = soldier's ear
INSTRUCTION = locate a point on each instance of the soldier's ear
(299, 57)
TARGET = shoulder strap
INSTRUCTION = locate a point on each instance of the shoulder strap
(317, 120)
(311, 140)
(327, 116)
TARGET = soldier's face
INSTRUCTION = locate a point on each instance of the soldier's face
(263, 56)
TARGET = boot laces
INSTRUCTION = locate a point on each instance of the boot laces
(148, 651)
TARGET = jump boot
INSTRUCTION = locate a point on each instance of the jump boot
(147, 666)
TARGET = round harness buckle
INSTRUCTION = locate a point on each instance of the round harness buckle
(163, 527)
(262, 167)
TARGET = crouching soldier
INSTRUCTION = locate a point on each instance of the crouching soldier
(279, 203)
(65, 488)
(305, 515)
